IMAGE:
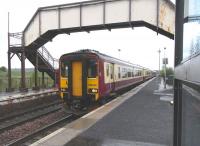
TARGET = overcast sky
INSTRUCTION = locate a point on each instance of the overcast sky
(139, 46)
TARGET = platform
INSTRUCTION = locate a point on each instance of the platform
(138, 118)
(20, 96)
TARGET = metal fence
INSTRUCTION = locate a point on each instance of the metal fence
(30, 82)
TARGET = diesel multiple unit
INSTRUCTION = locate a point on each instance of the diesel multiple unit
(88, 75)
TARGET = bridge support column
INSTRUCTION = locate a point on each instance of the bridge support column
(36, 72)
(36, 69)
(9, 89)
(43, 86)
(23, 74)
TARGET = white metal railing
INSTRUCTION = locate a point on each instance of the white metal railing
(48, 57)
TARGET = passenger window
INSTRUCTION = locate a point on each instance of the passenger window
(107, 70)
(119, 73)
(92, 69)
(111, 72)
(132, 73)
(140, 73)
(123, 73)
(129, 73)
(136, 73)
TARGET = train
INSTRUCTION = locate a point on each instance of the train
(88, 76)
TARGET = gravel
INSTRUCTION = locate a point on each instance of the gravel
(17, 107)
(27, 128)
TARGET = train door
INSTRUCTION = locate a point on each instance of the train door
(112, 79)
(77, 78)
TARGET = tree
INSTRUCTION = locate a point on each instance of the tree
(169, 71)
(3, 69)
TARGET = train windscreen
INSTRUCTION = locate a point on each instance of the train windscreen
(92, 69)
(64, 70)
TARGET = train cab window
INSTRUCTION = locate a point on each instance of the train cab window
(92, 69)
(64, 70)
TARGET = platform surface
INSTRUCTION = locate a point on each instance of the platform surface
(17, 94)
(139, 118)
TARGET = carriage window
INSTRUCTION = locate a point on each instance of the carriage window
(129, 73)
(107, 70)
(111, 74)
(64, 70)
(132, 73)
(124, 73)
(119, 73)
(92, 69)
(136, 73)
(139, 73)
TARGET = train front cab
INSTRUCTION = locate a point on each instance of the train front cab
(79, 82)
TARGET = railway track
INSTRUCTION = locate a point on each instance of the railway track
(34, 133)
(17, 119)
(39, 131)
(13, 115)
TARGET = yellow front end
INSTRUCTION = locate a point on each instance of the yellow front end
(93, 87)
(63, 86)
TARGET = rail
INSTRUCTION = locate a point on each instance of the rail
(39, 131)
(6, 125)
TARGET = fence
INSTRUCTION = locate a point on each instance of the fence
(30, 82)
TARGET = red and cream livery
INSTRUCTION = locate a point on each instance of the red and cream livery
(88, 75)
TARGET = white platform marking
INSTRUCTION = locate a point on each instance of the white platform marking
(48, 137)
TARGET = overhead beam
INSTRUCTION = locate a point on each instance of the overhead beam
(159, 14)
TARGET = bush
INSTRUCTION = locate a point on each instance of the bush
(3, 69)
(169, 72)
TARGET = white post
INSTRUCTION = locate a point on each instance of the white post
(165, 68)
(159, 61)
(119, 52)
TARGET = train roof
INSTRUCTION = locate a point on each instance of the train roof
(106, 57)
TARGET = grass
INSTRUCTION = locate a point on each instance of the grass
(16, 80)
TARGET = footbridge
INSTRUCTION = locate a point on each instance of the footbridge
(47, 22)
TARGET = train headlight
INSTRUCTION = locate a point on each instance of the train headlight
(93, 90)
(63, 89)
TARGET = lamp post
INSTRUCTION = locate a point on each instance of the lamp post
(165, 60)
(119, 50)
(159, 61)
